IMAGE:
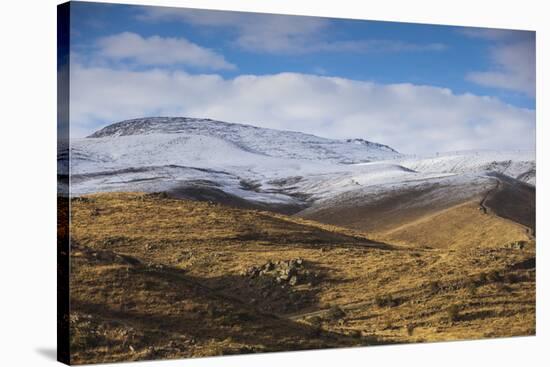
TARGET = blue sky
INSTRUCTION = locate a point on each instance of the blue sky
(330, 60)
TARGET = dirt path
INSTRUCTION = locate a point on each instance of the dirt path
(483, 201)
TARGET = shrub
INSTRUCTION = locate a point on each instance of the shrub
(315, 321)
(83, 339)
(316, 324)
(335, 313)
(511, 278)
(502, 287)
(453, 313)
(370, 340)
(410, 329)
(355, 333)
(471, 287)
(386, 301)
(494, 276)
(212, 311)
(435, 287)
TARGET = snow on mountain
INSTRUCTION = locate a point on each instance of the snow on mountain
(516, 164)
(265, 165)
(270, 142)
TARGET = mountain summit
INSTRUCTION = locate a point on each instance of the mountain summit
(269, 142)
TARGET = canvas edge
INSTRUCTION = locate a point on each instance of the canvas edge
(63, 201)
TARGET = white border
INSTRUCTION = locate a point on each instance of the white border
(28, 148)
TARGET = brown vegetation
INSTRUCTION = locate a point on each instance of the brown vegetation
(153, 277)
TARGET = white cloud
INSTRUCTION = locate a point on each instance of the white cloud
(254, 32)
(513, 57)
(157, 50)
(280, 34)
(408, 117)
(514, 68)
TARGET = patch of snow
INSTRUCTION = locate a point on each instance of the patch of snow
(158, 154)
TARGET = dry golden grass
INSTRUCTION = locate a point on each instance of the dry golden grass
(122, 309)
(167, 277)
(461, 226)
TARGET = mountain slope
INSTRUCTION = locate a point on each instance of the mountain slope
(269, 142)
(153, 277)
(251, 167)
(200, 158)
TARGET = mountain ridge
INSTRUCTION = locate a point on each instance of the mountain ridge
(105, 131)
(248, 137)
(249, 166)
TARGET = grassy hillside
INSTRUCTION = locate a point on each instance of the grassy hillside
(459, 227)
(154, 277)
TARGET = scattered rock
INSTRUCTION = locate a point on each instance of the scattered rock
(156, 195)
(82, 199)
(293, 280)
(517, 245)
(269, 266)
(291, 272)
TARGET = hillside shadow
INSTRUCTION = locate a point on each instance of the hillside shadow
(158, 311)
(268, 294)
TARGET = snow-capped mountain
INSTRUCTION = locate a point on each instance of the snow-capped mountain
(269, 142)
(202, 158)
